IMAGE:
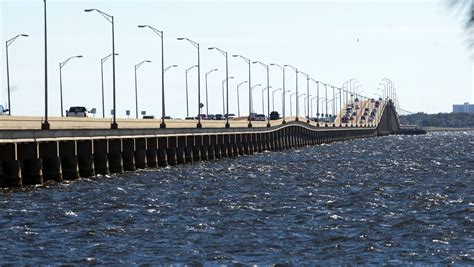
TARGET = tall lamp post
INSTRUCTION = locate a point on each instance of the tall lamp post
(136, 86)
(307, 93)
(196, 45)
(296, 73)
(283, 100)
(161, 35)
(284, 91)
(110, 18)
(250, 86)
(251, 91)
(8, 43)
(207, 98)
(291, 105)
(225, 81)
(263, 98)
(273, 97)
(61, 65)
(225, 54)
(102, 61)
(238, 96)
(268, 86)
(298, 98)
(313, 98)
(45, 123)
(317, 103)
(187, 91)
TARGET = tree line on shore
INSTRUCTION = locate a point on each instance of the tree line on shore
(448, 120)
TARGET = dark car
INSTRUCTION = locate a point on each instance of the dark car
(149, 117)
(274, 115)
(345, 119)
(218, 117)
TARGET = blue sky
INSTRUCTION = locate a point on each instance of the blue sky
(420, 45)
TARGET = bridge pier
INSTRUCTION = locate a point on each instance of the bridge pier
(100, 150)
(163, 151)
(140, 153)
(198, 148)
(128, 154)
(180, 150)
(151, 152)
(85, 158)
(188, 152)
(115, 155)
(171, 150)
(52, 169)
(217, 147)
(30, 163)
(69, 164)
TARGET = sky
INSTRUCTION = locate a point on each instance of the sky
(420, 45)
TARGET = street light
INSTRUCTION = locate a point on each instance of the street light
(298, 98)
(273, 97)
(207, 98)
(313, 98)
(225, 54)
(250, 86)
(169, 67)
(110, 18)
(61, 65)
(296, 73)
(307, 93)
(136, 87)
(161, 35)
(45, 123)
(263, 98)
(291, 105)
(238, 96)
(306, 106)
(102, 61)
(284, 91)
(187, 91)
(317, 103)
(268, 86)
(225, 81)
(196, 45)
(8, 43)
(251, 91)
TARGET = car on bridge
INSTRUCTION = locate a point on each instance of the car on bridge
(260, 117)
(78, 112)
(219, 117)
(274, 115)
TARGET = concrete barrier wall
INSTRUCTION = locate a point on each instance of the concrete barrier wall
(38, 160)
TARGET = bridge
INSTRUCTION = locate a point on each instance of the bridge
(84, 147)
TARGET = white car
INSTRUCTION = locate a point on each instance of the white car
(78, 112)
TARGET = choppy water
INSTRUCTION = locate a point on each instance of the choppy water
(395, 200)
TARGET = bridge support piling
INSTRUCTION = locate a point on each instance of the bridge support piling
(115, 155)
(141, 153)
(197, 148)
(30, 163)
(180, 150)
(171, 150)
(100, 156)
(128, 154)
(52, 169)
(151, 152)
(188, 150)
(69, 164)
(210, 141)
(85, 158)
(217, 147)
(163, 151)
(11, 173)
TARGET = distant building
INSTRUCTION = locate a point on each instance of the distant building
(465, 108)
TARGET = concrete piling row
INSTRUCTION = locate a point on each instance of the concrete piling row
(31, 163)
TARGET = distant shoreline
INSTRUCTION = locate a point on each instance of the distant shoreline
(446, 129)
